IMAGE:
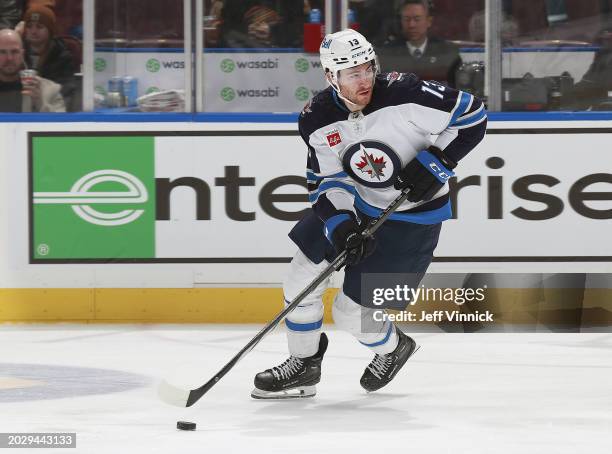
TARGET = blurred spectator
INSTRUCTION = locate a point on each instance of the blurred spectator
(216, 7)
(48, 54)
(139, 23)
(509, 27)
(212, 22)
(595, 88)
(18, 6)
(10, 13)
(33, 93)
(262, 23)
(426, 56)
(377, 19)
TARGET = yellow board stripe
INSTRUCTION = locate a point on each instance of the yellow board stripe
(194, 305)
(260, 305)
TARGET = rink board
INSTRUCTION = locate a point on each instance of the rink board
(233, 196)
(534, 197)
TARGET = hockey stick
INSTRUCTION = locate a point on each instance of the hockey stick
(186, 398)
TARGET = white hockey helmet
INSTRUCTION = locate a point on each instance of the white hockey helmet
(345, 49)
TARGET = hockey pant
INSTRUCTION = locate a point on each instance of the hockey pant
(305, 321)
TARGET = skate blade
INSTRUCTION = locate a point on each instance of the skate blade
(296, 393)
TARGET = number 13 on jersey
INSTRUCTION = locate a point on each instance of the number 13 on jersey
(431, 87)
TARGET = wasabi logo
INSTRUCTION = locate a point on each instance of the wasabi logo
(152, 90)
(301, 65)
(81, 197)
(227, 65)
(153, 65)
(99, 64)
(302, 93)
(228, 94)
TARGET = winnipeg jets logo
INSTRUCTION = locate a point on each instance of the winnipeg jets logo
(371, 165)
(307, 108)
(394, 76)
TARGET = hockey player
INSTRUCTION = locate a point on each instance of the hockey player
(369, 135)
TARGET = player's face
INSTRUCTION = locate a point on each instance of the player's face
(356, 84)
(415, 23)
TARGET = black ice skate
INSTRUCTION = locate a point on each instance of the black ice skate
(295, 378)
(383, 368)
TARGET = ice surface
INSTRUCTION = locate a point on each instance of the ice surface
(461, 393)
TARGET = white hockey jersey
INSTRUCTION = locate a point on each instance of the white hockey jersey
(354, 157)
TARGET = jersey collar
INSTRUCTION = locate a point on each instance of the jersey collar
(339, 102)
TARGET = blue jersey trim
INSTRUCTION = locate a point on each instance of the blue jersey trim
(425, 217)
(384, 340)
(311, 176)
(303, 326)
(470, 120)
(463, 103)
(332, 223)
(329, 185)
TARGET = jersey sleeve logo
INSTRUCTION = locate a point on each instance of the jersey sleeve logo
(333, 138)
(307, 108)
(393, 77)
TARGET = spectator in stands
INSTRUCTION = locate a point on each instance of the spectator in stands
(10, 13)
(36, 94)
(48, 54)
(415, 51)
(377, 19)
(509, 29)
(594, 91)
(262, 23)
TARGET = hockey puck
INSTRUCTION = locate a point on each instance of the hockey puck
(185, 425)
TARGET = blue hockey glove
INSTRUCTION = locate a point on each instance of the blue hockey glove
(426, 174)
(347, 235)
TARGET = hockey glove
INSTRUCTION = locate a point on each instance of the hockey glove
(347, 235)
(425, 175)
